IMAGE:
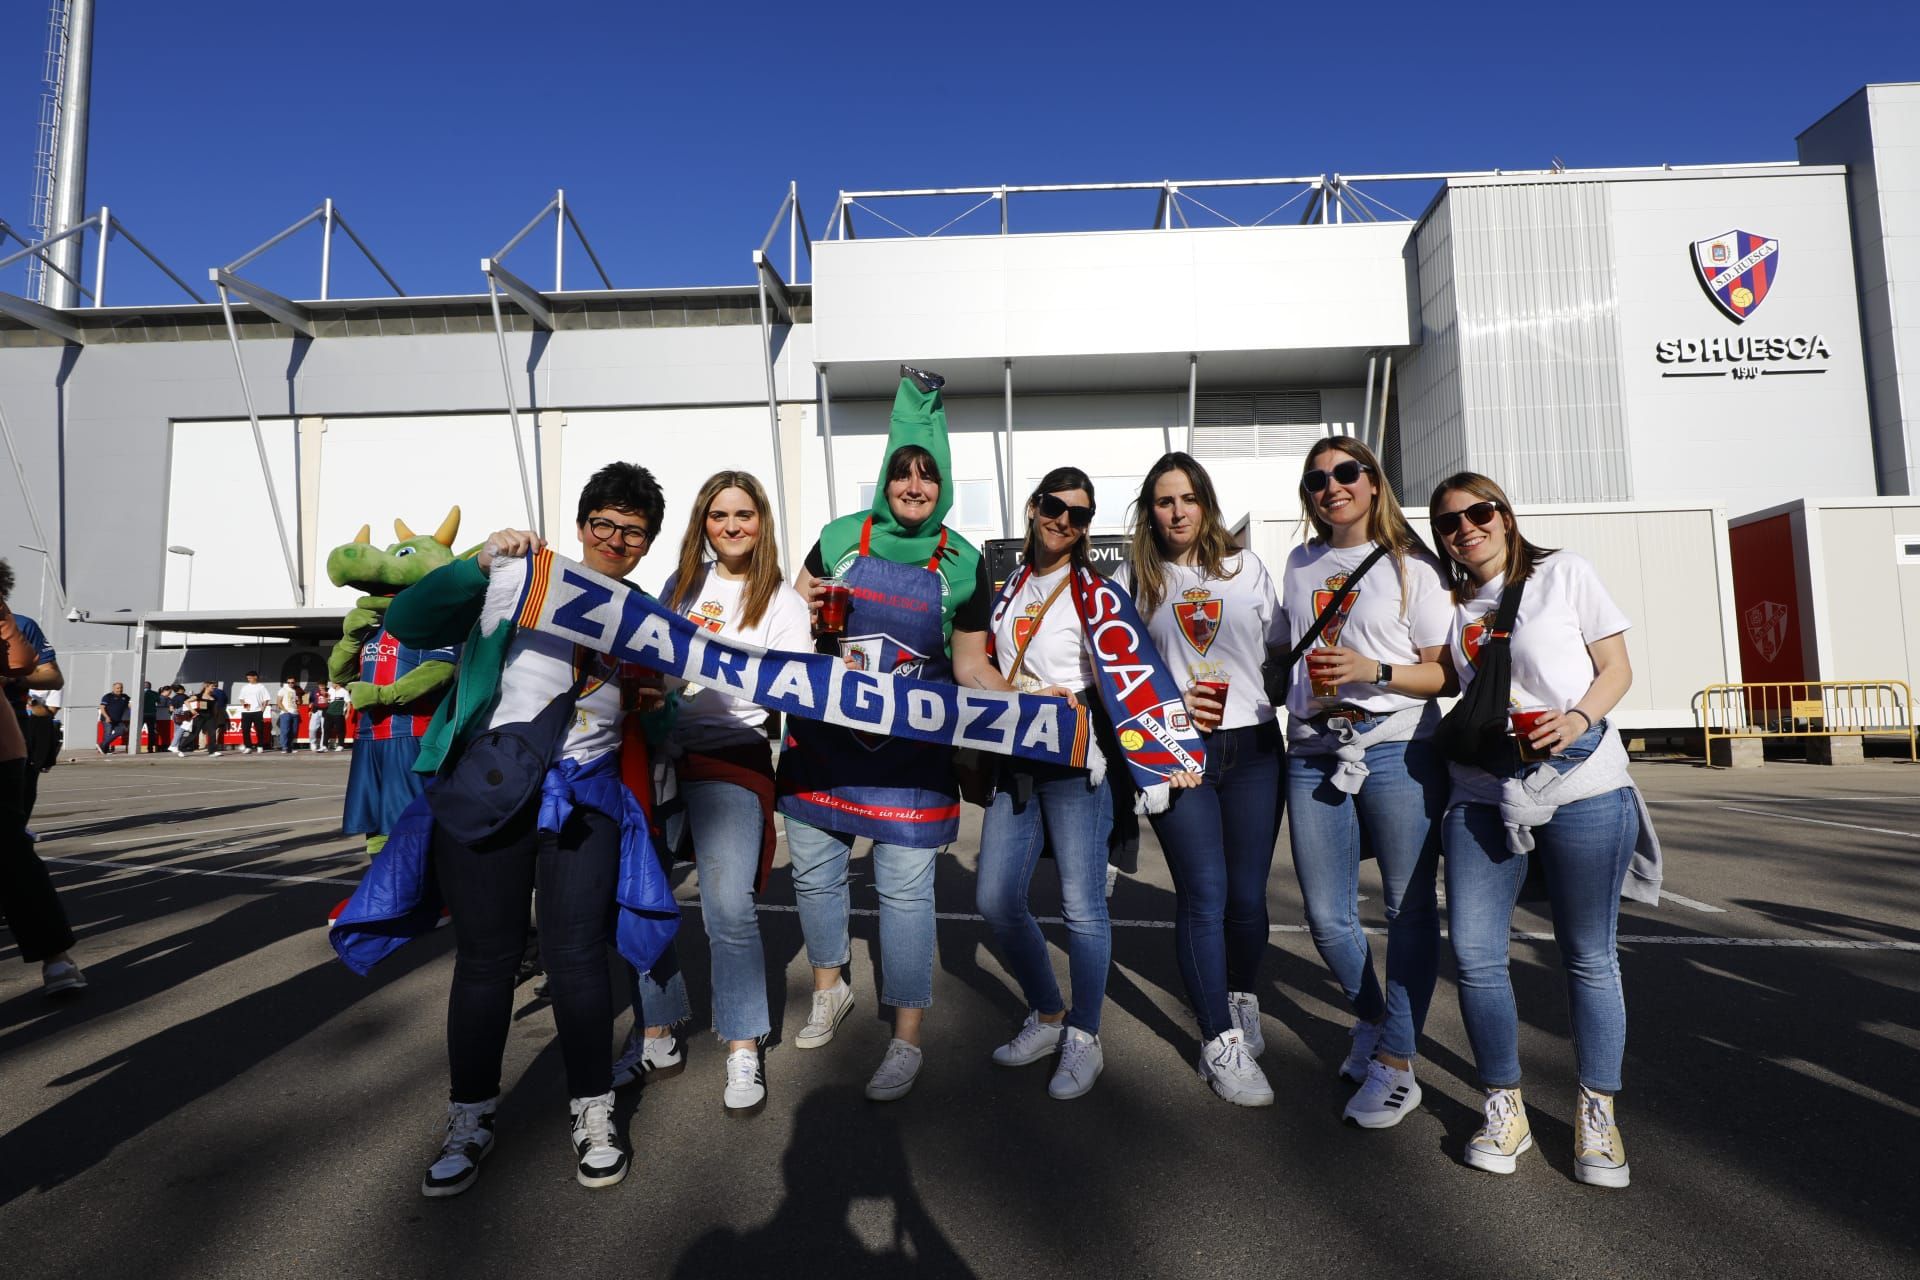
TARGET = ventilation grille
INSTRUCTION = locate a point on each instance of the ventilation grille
(1258, 424)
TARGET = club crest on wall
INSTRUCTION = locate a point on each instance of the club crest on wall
(1737, 269)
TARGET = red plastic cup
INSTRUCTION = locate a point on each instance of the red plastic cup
(1524, 723)
(1321, 688)
(835, 601)
(1214, 689)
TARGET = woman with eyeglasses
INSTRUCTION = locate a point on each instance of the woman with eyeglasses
(1363, 775)
(909, 596)
(1213, 615)
(577, 839)
(1578, 812)
(728, 581)
(1040, 645)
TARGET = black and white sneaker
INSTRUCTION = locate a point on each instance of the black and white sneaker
(647, 1059)
(746, 1082)
(469, 1138)
(601, 1161)
(1386, 1098)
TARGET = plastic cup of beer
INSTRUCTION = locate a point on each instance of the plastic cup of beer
(835, 601)
(1215, 687)
(1321, 688)
(1525, 721)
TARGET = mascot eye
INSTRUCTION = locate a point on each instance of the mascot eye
(406, 551)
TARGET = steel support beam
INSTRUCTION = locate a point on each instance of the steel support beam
(1193, 397)
(826, 431)
(535, 515)
(764, 271)
(291, 314)
(1011, 496)
(45, 319)
(529, 299)
(260, 445)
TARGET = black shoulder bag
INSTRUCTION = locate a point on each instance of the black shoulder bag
(1475, 731)
(500, 770)
(1279, 672)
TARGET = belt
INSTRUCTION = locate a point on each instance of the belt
(1352, 715)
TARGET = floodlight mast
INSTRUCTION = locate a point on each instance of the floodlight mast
(70, 150)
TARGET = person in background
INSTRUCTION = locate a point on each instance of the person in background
(153, 717)
(27, 898)
(173, 700)
(209, 710)
(1212, 612)
(317, 717)
(43, 676)
(728, 581)
(253, 699)
(1577, 811)
(115, 706)
(339, 702)
(286, 700)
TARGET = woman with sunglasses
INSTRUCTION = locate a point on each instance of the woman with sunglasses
(911, 597)
(1041, 647)
(1584, 820)
(1362, 772)
(728, 581)
(1212, 613)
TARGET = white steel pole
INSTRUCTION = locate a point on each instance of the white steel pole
(70, 156)
(100, 259)
(326, 248)
(559, 239)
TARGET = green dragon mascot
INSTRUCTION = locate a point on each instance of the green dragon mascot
(394, 687)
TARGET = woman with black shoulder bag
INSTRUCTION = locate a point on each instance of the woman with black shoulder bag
(1363, 774)
(1541, 655)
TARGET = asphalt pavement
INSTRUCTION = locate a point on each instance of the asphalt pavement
(226, 1099)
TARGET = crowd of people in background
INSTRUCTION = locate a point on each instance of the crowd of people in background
(182, 721)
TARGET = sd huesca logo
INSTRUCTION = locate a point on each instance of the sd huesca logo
(1737, 269)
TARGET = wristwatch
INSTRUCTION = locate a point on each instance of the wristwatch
(1385, 677)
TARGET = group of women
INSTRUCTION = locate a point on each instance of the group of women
(1357, 636)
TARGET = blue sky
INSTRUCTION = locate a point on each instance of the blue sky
(439, 127)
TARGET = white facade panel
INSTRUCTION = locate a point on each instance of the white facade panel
(217, 505)
(1871, 596)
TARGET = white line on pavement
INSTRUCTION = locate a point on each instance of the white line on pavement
(156, 830)
(107, 864)
(1691, 902)
(1818, 822)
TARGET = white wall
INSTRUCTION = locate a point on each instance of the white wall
(217, 504)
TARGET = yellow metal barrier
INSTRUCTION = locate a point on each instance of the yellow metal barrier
(1807, 709)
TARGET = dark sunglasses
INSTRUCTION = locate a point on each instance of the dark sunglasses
(1447, 523)
(1344, 472)
(1053, 508)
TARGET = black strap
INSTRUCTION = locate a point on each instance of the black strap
(1333, 607)
(1508, 613)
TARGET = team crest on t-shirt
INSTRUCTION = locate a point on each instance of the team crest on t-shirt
(1198, 614)
(709, 614)
(1024, 624)
(1473, 637)
(1330, 635)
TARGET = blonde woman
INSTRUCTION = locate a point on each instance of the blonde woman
(728, 581)
(1362, 771)
(1213, 615)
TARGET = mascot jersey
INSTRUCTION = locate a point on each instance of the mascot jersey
(383, 661)
(906, 585)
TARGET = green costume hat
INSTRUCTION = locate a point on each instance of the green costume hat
(919, 418)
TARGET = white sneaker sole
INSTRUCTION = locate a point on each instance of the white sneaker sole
(811, 1039)
(1072, 1092)
(598, 1181)
(455, 1188)
(1490, 1162)
(1600, 1175)
(745, 1109)
(1227, 1092)
(1386, 1118)
(888, 1093)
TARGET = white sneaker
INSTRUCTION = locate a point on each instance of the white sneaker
(469, 1139)
(649, 1058)
(1227, 1065)
(1244, 1007)
(1080, 1064)
(1599, 1152)
(1366, 1037)
(1033, 1041)
(899, 1068)
(602, 1162)
(1385, 1099)
(1505, 1135)
(830, 1009)
(746, 1091)
(61, 977)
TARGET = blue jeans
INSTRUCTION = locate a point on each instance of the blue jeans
(1218, 838)
(285, 725)
(904, 878)
(725, 822)
(1584, 854)
(1072, 818)
(1396, 815)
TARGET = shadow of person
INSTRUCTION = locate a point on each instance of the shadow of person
(850, 1209)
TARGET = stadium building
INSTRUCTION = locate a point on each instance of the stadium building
(1731, 336)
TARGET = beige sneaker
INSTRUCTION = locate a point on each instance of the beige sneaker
(1505, 1134)
(1599, 1153)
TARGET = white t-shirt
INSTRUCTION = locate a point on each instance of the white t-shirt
(1372, 623)
(288, 699)
(252, 697)
(1220, 629)
(539, 668)
(1057, 653)
(1564, 608)
(713, 717)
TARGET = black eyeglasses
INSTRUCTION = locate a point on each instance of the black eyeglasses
(1343, 472)
(1447, 523)
(1053, 508)
(631, 535)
